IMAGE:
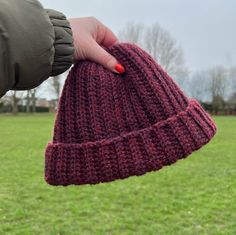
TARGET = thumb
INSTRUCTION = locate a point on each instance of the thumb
(98, 54)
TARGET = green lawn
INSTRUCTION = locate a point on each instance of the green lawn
(194, 196)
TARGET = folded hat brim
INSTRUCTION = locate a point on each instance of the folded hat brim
(133, 153)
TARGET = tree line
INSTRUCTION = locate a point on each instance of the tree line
(214, 87)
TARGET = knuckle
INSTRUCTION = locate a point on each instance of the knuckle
(92, 18)
(108, 60)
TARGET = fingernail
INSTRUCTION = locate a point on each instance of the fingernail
(119, 68)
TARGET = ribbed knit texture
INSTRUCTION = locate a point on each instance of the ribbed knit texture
(111, 126)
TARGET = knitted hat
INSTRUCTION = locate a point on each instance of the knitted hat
(111, 126)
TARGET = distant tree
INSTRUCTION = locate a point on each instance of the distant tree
(28, 94)
(233, 79)
(232, 98)
(53, 87)
(232, 102)
(160, 44)
(132, 33)
(163, 47)
(217, 84)
(31, 97)
(198, 85)
(15, 97)
(56, 86)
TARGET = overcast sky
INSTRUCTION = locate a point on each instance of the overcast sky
(205, 29)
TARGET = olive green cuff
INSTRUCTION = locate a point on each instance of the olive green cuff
(64, 46)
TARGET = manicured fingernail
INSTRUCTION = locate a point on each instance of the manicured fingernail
(119, 68)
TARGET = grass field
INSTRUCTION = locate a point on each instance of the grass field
(194, 196)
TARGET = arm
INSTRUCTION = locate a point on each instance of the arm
(35, 43)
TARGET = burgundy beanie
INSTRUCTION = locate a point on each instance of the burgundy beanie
(111, 126)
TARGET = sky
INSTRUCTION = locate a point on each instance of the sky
(205, 29)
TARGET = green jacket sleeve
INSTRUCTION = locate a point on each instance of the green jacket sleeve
(35, 43)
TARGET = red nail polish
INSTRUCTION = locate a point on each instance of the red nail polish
(119, 68)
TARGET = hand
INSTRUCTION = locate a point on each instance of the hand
(89, 36)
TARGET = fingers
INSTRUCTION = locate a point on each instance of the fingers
(104, 36)
(98, 54)
(109, 38)
(90, 36)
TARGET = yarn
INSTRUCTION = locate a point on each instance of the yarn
(111, 126)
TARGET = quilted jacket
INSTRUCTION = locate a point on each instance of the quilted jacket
(35, 43)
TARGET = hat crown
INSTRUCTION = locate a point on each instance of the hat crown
(98, 104)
